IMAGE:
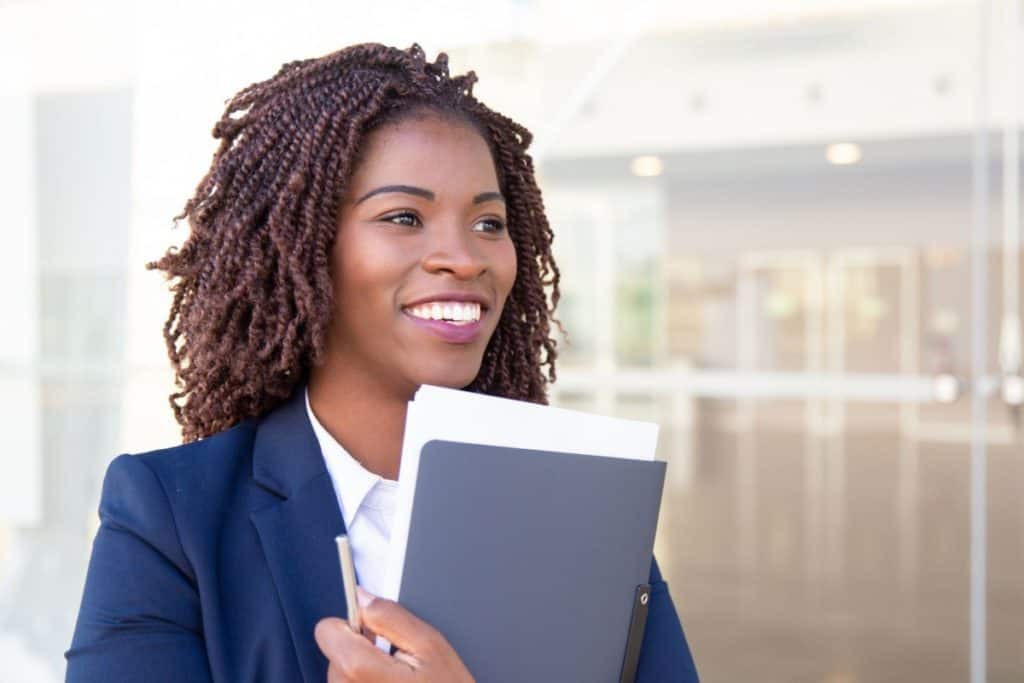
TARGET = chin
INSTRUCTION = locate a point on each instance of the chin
(453, 378)
(449, 381)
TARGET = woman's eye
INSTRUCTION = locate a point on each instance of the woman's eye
(404, 218)
(489, 225)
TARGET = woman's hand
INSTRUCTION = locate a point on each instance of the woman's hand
(423, 653)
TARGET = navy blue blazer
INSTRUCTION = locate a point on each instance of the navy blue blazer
(215, 559)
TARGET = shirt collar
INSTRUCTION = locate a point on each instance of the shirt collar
(352, 482)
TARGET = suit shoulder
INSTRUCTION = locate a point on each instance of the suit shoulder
(216, 446)
(212, 462)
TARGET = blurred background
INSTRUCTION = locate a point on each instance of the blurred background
(789, 232)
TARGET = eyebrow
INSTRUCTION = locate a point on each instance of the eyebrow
(427, 194)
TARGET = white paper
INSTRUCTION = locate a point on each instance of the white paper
(454, 415)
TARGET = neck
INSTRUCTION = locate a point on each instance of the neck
(362, 414)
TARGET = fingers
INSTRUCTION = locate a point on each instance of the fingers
(369, 634)
(353, 656)
(409, 660)
(398, 625)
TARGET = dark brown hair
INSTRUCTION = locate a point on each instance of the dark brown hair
(252, 291)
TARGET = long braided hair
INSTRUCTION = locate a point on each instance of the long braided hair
(252, 294)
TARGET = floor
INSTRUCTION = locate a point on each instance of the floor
(836, 559)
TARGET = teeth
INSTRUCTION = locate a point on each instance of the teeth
(451, 311)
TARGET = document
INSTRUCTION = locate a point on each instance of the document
(534, 564)
(438, 413)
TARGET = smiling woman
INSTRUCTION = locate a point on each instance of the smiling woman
(407, 256)
(422, 248)
(366, 227)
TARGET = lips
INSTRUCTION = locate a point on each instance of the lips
(464, 333)
(450, 296)
(454, 317)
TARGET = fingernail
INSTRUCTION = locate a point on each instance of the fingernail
(363, 597)
(330, 624)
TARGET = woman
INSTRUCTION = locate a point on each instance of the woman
(366, 226)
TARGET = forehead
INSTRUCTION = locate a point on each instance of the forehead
(428, 151)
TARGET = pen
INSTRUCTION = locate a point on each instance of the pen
(348, 578)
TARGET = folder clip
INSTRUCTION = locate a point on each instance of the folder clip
(637, 622)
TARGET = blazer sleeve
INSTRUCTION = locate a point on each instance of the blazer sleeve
(140, 617)
(664, 654)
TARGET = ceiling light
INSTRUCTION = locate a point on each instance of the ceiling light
(843, 153)
(647, 166)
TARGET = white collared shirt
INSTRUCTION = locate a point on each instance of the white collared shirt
(367, 503)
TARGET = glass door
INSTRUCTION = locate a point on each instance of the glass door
(777, 230)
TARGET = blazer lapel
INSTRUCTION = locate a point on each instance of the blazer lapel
(297, 533)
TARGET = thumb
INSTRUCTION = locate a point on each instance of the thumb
(397, 624)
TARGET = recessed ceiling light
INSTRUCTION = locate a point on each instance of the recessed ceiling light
(843, 153)
(646, 166)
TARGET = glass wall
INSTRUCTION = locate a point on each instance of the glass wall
(788, 232)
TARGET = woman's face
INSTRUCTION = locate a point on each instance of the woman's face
(423, 262)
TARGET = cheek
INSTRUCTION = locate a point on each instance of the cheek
(365, 263)
(360, 284)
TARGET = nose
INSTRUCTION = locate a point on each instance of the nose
(455, 251)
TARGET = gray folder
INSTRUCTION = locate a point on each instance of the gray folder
(529, 561)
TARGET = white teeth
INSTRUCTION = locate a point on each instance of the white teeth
(451, 311)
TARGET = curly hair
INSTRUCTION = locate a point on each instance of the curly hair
(252, 292)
